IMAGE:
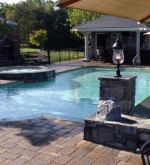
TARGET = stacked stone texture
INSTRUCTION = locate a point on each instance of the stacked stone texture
(119, 90)
(128, 133)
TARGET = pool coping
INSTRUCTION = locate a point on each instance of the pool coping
(76, 64)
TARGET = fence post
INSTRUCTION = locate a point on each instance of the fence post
(59, 56)
(13, 60)
(77, 54)
(28, 54)
(49, 60)
(69, 54)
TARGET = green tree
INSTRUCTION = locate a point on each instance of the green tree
(5, 28)
(23, 14)
(4, 8)
(77, 17)
(38, 38)
(33, 15)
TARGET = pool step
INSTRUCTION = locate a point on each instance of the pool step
(143, 108)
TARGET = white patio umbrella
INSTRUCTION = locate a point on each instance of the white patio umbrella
(138, 10)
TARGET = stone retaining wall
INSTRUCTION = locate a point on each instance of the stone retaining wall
(130, 133)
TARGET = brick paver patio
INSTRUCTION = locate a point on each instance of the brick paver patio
(50, 141)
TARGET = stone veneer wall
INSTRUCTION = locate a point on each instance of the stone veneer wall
(39, 76)
(44, 75)
(130, 133)
(121, 90)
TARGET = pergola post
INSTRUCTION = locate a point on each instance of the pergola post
(148, 41)
(86, 58)
(138, 57)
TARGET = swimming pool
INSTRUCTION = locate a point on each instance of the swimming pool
(72, 94)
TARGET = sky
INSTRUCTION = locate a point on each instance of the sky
(14, 1)
(10, 1)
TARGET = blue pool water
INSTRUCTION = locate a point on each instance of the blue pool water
(72, 94)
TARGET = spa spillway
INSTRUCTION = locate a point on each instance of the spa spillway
(27, 73)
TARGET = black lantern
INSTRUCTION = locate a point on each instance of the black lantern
(118, 55)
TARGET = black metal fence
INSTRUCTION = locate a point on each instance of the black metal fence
(32, 57)
(65, 55)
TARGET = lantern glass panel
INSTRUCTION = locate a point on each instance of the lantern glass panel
(118, 56)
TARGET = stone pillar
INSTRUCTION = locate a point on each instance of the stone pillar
(120, 90)
(86, 59)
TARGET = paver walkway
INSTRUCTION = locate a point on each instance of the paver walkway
(49, 141)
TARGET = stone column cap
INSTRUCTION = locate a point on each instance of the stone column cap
(124, 77)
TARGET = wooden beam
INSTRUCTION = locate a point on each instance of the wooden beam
(67, 3)
(144, 19)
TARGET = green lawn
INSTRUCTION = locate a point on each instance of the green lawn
(55, 56)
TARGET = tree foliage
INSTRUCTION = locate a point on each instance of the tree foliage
(4, 8)
(77, 17)
(5, 28)
(33, 15)
(38, 37)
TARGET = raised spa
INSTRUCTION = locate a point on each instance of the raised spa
(27, 73)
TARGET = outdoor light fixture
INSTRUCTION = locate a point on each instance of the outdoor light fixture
(118, 55)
